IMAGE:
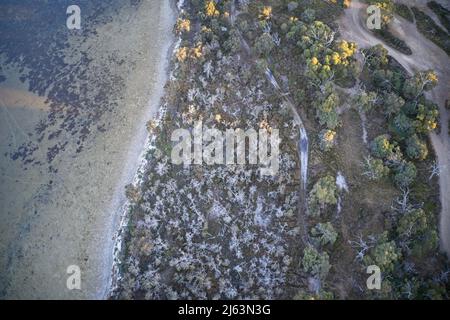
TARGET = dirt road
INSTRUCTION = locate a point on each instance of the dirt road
(426, 55)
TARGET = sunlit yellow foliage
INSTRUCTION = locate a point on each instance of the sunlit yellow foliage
(205, 29)
(314, 61)
(329, 135)
(335, 58)
(347, 49)
(326, 68)
(194, 53)
(432, 76)
(182, 54)
(183, 25)
(266, 13)
(211, 10)
(197, 51)
(218, 117)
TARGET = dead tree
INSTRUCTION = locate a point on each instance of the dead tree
(362, 246)
(435, 170)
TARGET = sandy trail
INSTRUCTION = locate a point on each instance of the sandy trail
(426, 55)
(46, 229)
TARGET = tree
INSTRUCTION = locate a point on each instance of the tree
(402, 126)
(233, 44)
(325, 57)
(327, 139)
(309, 15)
(392, 104)
(405, 174)
(210, 9)
(315, 263)
(388, 80)
(385, 254)
(413, 223)
(183, 25)
(264, 44)
(375, 169)
(323, 193)
(324, 233)
(326, 109)
(366, 101)
(416, 149)
(421, 81)
(427, 115)
(376, 57)
(381, 147)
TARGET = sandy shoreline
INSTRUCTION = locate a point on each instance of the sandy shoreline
(136, 161)
(73, 222)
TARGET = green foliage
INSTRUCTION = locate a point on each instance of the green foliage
(404, 11)
(327, 139)
(375, 169)
(431, 30)
(325, 57)
(393, 41)
(264, 44)
(385, 254)
(376, 56)
(315, 263)
(405, 174)
(413, 223)
(388, 80)
(442, 13)
(416, 149)
(426, 244)
(324, 234)
(233, 44)
(381, 147)
(326, 107)
(422, 81)
(392, 104)
(402, 126)
(309, 15)
(426, 117)
(322, 194)
(366, 101)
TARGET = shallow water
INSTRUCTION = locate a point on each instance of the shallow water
(73, 107)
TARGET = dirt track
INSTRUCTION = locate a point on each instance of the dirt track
(426, 55)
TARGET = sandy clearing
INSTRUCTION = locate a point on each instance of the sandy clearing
(45, 229)
(426, 55)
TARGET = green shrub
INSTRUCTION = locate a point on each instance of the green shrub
(404, 11)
